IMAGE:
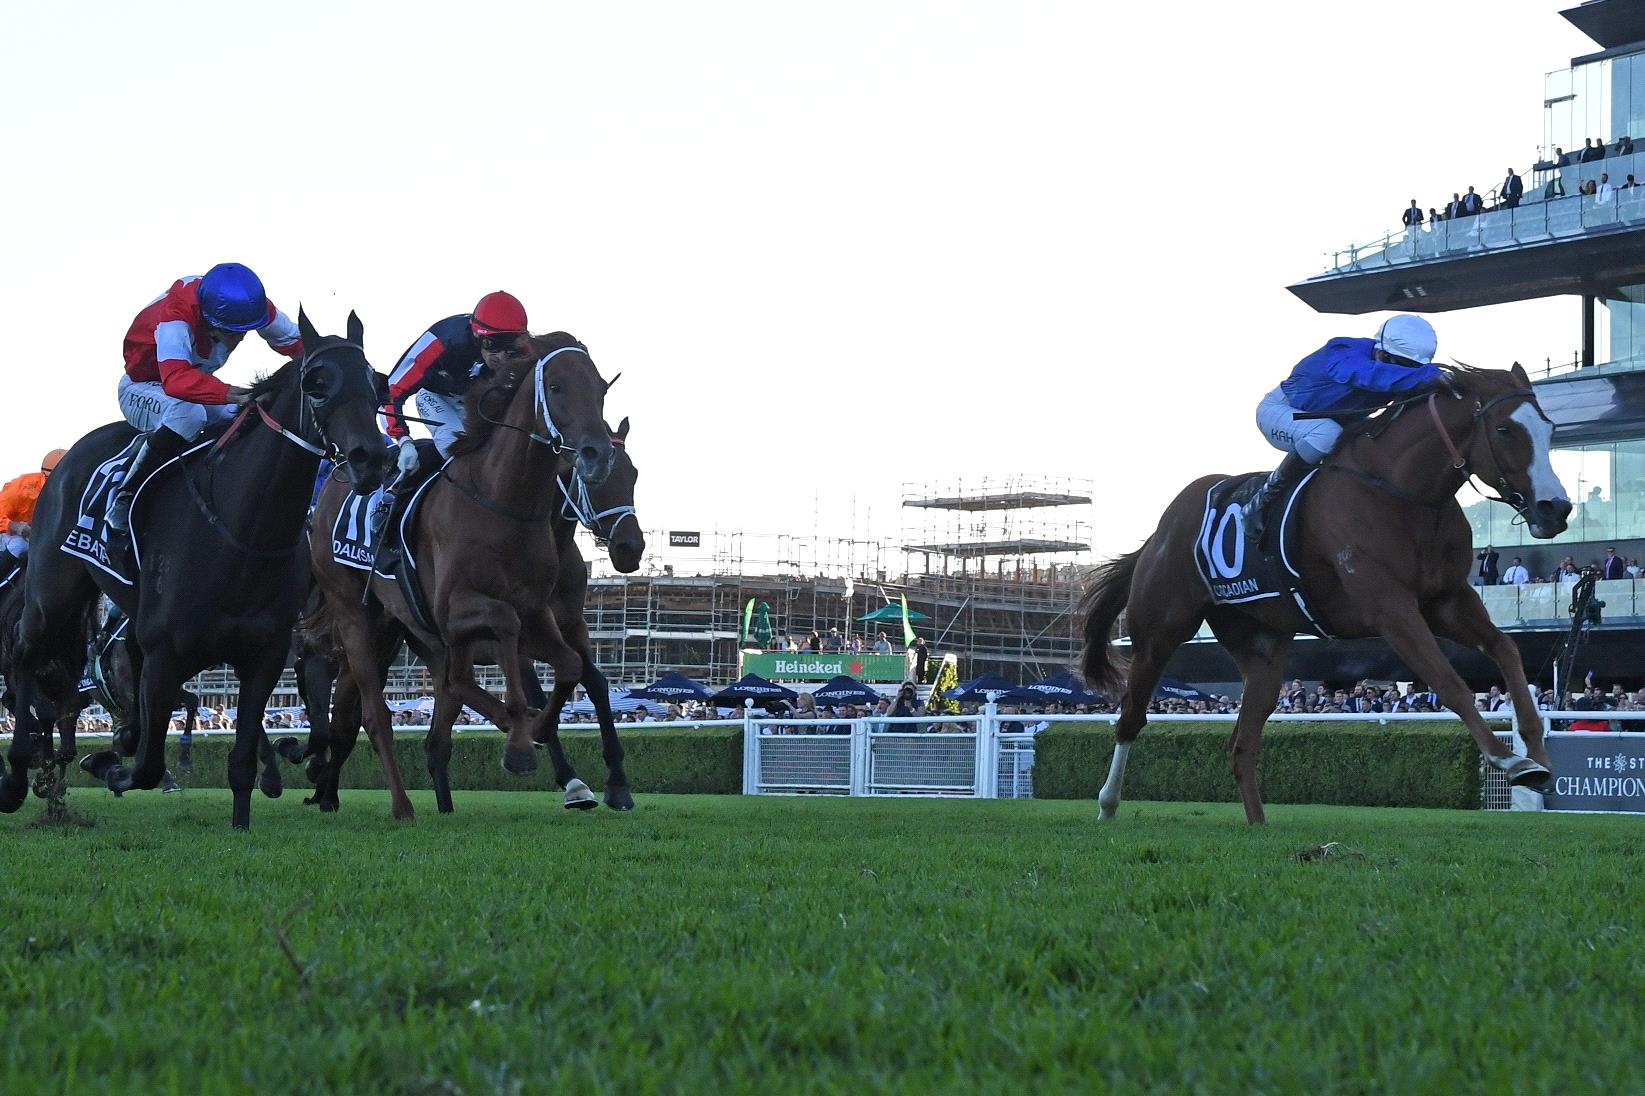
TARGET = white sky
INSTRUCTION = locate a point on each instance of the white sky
(832, 247)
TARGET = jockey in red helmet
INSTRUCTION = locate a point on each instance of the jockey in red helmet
(438, 369)
(173, 347)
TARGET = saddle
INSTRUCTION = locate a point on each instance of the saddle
(393, 554)
(1232, 569)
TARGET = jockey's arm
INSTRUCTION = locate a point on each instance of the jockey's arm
(406, 379)
(180, 378)
(1384, 378)
(281, 334)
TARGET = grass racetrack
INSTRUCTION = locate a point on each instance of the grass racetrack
(723, 944)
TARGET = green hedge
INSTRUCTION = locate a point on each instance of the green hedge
(1404, 764)
(702, 760)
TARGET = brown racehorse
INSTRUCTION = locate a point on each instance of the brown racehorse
(1384, 551)
(608, 512)
(487, 558)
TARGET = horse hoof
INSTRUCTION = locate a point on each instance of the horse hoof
(290, 749)
(1530, 774)
(519, 762)
(13, 790)
(168, 784)
(578, 797)
(97, 765)
(270, 784)
(185, 763)
(118, 779)
(618, 797)
(329, 806)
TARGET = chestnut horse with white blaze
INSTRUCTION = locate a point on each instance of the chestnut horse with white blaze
(1383, 549)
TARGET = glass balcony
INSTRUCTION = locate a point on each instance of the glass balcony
(1553, 208)
(1541, 604)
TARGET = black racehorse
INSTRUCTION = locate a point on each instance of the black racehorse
(53, 765)
(218, 538)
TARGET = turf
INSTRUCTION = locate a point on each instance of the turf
(741, 945)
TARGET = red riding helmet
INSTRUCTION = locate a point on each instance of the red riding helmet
(498, 313)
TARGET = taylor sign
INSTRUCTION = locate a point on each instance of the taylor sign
(821, 666)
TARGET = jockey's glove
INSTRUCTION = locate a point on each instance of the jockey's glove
(407, 459)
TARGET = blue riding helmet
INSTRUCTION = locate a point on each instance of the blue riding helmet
(231, 298)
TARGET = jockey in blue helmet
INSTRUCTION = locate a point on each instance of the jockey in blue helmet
(173, 347)
(1344, 379)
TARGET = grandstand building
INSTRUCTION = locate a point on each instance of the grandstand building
(1557, 241)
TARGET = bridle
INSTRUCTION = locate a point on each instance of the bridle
(576, 506)
(1459, 463)
(554, 439)
(308, 409)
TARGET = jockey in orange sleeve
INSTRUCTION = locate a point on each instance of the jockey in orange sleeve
(174, 346)
(17, 500)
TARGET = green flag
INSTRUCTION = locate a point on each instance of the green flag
(907, 628)
(762, 625)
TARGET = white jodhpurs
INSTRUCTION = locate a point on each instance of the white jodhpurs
(446, 414)
(147, 407)
(16, 545)
(1310, 439)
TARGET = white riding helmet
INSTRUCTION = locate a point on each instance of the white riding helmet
(1407, 336)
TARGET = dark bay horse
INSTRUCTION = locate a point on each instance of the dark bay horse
(65, 680)
(608, 512)
(220, 576)
(487, 556)
(1384, 551)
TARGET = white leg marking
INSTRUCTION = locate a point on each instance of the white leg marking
(1108, 800)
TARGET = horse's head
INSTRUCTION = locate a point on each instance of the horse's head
(340, 396)
(571, 403)
(608, 509)
(1508, 446)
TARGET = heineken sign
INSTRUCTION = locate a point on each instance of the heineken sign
(821, 666)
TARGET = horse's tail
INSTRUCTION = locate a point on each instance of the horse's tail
(1105, 598)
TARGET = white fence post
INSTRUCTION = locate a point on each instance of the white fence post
(859, 756)
(988, 750)
(751, 755)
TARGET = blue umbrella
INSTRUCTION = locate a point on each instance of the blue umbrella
(1061, 688)
(672, 686)
(753, 687)
(844, 690)
(978, 688)
(1169, 688)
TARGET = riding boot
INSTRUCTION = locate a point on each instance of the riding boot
(159, 445)
(1280, 481)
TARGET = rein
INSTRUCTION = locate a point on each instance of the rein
(329, 449)
(1459, 463)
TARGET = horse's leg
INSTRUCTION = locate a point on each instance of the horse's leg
(437, 745)
(359, 646)
(618, 796)
(158, 679)
(345, 734)
(1260, 654)
(269, 781)
(547, 731)
(1161, 619)
(519, 754)
(257, 680)
(1462, 617)
(1402, 625)
(315, 676)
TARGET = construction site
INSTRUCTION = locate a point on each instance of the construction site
(991, 569)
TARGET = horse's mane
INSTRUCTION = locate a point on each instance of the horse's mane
(267, 382)
(477, 429)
